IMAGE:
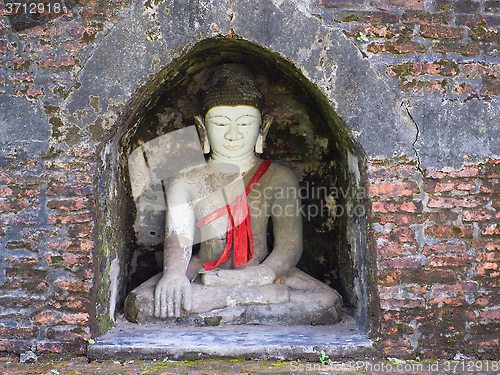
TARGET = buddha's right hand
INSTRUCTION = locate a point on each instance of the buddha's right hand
(172, 292)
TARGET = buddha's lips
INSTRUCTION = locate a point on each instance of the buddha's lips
(232, 148)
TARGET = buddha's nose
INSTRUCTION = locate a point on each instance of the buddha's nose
(233, 133)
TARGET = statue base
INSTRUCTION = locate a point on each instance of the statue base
(272, 304)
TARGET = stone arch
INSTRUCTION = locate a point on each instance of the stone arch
(339, 165)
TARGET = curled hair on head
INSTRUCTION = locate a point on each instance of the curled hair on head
(232, 85)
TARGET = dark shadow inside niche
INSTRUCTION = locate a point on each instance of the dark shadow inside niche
(306, 136)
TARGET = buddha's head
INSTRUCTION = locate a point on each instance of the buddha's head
(231, 124)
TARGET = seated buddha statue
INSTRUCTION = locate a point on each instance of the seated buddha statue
(229, 202)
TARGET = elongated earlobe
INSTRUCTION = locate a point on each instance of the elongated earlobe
(202, 131)
(264, 129)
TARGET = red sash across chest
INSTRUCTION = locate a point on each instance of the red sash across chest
(241, 234)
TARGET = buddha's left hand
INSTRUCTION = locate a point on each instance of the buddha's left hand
(249, 276)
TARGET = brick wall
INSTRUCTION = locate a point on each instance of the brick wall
(435, 233)
(438, 258)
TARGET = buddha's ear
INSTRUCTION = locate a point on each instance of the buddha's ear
(264, 129)
(202, 131)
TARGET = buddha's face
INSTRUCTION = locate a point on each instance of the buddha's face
(233, 130)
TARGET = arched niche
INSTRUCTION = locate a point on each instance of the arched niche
(306, 136)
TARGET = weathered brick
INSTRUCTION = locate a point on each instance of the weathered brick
(485, 34)
(448, 261)
(407, 4)
(19, 220)
(397, 303)
(385, 173)
(34, 92)
(466, 50)
(447, 300)
(440, 32)
(14, 346)
(474, 70)
(422, 276)
(57, 62)
(5, 192)
(466, 287)
(425, 18)
(492, 6)
(366, 16)
(74, 46)
(488, 298)
(22, 301)
(479, 215)
(74, 245)
(491, 88)
(399, 235)
(70, 190)
(19, 332)
(14, 63)
(489, 170)
(378, 31)
(73, 286)
(464, 88)
(393, 189)
(77, 348)
(42, 30)
(490, 187)
(397, 48)
(70, 204)
(493, 313)
(401, 219)
(474, 20)
(70, 218)
(65, 335)
(445, 248)
(389, 250)
(458, 6)
(14, 205)
(488, 269)
(408, 262)
(469, 171)
(490, 229)
(443, 217)
(80, 230)
(425, 87)
(458, 201)
(76, 31)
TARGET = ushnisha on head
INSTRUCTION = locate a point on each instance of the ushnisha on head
(231, 124)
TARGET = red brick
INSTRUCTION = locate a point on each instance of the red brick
(396, 48)
(70, 218)
(399, 235)
(425, 18)
(19, 332)
(445, 248)
(443, 217)
(440, 32)
(448, 261)
(451, 202)
(389, 250)
(490, 187)
(396, 206)
(14, 346)
(14, 63)
(444, 231)
(451, 301)
(466, 287)
(76, 31)
(76, 348)
(14, 205)
(70, 204)
(5, 192)
(80, 230)
(19, 220)
(74, 46)
(491, 88)
(70, 190)
(42, 30)
(488, 299)
(476, 20)
(68, 260)
(488, 269)
(401, 219)
(407, 4)
(397, 303)
(393, 189)
(75, 244)
(475, 70)
(466, 50)
(458, 6)
(378, 31)
(491, 314)
(424, 86)
(490, 229)
(490, 170)
(77, 303)
(464, 89)
(485, 34)
(407, 262)
(57, 62)
(478, 215)
(73, 286)
(366, 16)
(488, 257)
